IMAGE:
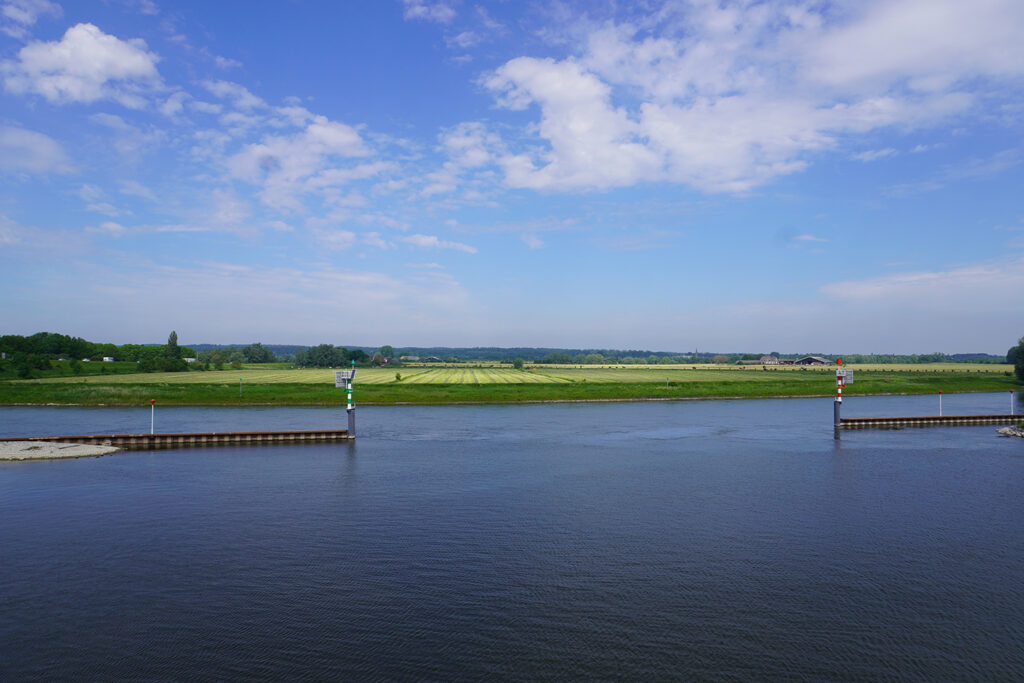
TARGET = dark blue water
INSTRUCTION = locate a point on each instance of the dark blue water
(695, 540)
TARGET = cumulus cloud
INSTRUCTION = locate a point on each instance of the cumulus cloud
(287, 167)
(467, 146)
(726, 96)
(592, 143)
(928, 44)
(17, 16)
(26, 151)
(86, 65)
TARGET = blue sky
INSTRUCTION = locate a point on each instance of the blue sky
(733, 176)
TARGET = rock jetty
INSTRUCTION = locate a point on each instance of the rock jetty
(49, 450)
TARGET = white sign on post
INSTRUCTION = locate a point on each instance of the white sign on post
(343, 377)
(847, 376)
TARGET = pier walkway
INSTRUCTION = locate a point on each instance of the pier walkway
(146, 442)
(929, 421)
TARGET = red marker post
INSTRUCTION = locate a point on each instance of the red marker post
(838, 403)
(152, 414)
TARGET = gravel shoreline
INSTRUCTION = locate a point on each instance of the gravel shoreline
(49, 450)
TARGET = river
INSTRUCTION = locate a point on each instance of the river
(721, 540)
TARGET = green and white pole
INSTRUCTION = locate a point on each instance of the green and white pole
(351, 409)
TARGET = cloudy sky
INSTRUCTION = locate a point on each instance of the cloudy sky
(669, 175)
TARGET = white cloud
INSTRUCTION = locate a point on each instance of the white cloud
(287, 167)
(134, 188)
(86, 65)
(438, 11)
(226, 62)
(464, 40)
(10, 232)
(592, 143)
(726, 96)
(969, 169)
(532, 241)
(17, 16)
(433, 242)
(239, 95)
(205, 107)
(969, 288)
(26, 151)
(174, 104)
(927, 44)
(108, 228)
(130, 141)
(875, 154)
(467, 146)
(146, 7)
(375, 240)
(809, 238)
(336, 239)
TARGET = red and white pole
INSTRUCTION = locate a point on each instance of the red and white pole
(940, 402)
(1011, 401)
(839, 394)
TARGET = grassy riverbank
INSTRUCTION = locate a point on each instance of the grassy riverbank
(586, 385)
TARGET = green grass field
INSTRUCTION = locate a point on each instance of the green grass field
(562, 374)
(498, 384)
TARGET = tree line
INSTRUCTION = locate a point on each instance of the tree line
(1016, 356)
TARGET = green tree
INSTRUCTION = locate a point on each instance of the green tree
(387, 352)
(517, 364)
(172, 350)
(257, 353)
(1018, 365)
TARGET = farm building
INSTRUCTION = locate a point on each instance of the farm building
(812, 360)
(764, 360)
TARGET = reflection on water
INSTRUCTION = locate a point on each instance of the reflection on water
(698, 539)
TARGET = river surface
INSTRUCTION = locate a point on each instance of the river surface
(713, 540)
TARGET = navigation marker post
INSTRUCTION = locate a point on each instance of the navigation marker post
(343, 379)
(152, 414)
(940, 403)
(843, 377)
(838, 403)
